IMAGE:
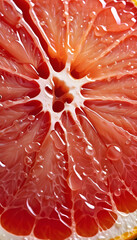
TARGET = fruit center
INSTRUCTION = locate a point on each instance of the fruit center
(60, 92)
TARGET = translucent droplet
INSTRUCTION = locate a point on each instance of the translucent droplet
(2, 165)
(26, 98)
(25, 175)
(117, 192)
(28, 161)
(92, 14)
(63, 24)
(37, 171)
(42, 23)
(99, 66)
(128, 141)
(33, 147)
(1, 106)
(31, 117)
(51, 175)
(89, 150)
(100, 30)
(113, 153)
(91, 206)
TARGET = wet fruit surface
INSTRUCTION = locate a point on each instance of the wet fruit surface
(68, 116)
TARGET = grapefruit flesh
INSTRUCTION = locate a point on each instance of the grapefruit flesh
(68, 118)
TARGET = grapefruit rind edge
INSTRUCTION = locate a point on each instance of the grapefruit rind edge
(127, 235)
(135, 2)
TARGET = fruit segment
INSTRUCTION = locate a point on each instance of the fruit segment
(13, 87)
(19, 48)
(50, 18)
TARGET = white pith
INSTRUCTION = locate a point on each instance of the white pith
(74, 89)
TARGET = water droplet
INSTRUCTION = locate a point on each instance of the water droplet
(92, 14)
(100, 30)
(99, 66)
(113, 153)
(37, 171)
(2, 165)
(26, 98)
(40, 158)
(89, 150)
(128, 141)
(90, 205)
(83, 197)
(31, 117)
(42, 23)
(51, 175)
(28, 161)
(59, 155)
(25, 174)
(1, 106)
(63, 24)
(117, 192)
(33, 147)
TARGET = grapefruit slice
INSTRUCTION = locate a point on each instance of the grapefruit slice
(68, 119)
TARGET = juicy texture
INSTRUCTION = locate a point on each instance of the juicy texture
(68, 116)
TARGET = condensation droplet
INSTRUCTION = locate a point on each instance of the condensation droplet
(92, 14)
(128, 141)
(91, 206)
(26, 98)
(1, 106)
(113, 153)
(28, 161)
(89, 150)
(51, 175)
(31, 117)
(33, 147)
(2, 165)
(100, 30)
(63, 24)
(25, 174)
(117, 192)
